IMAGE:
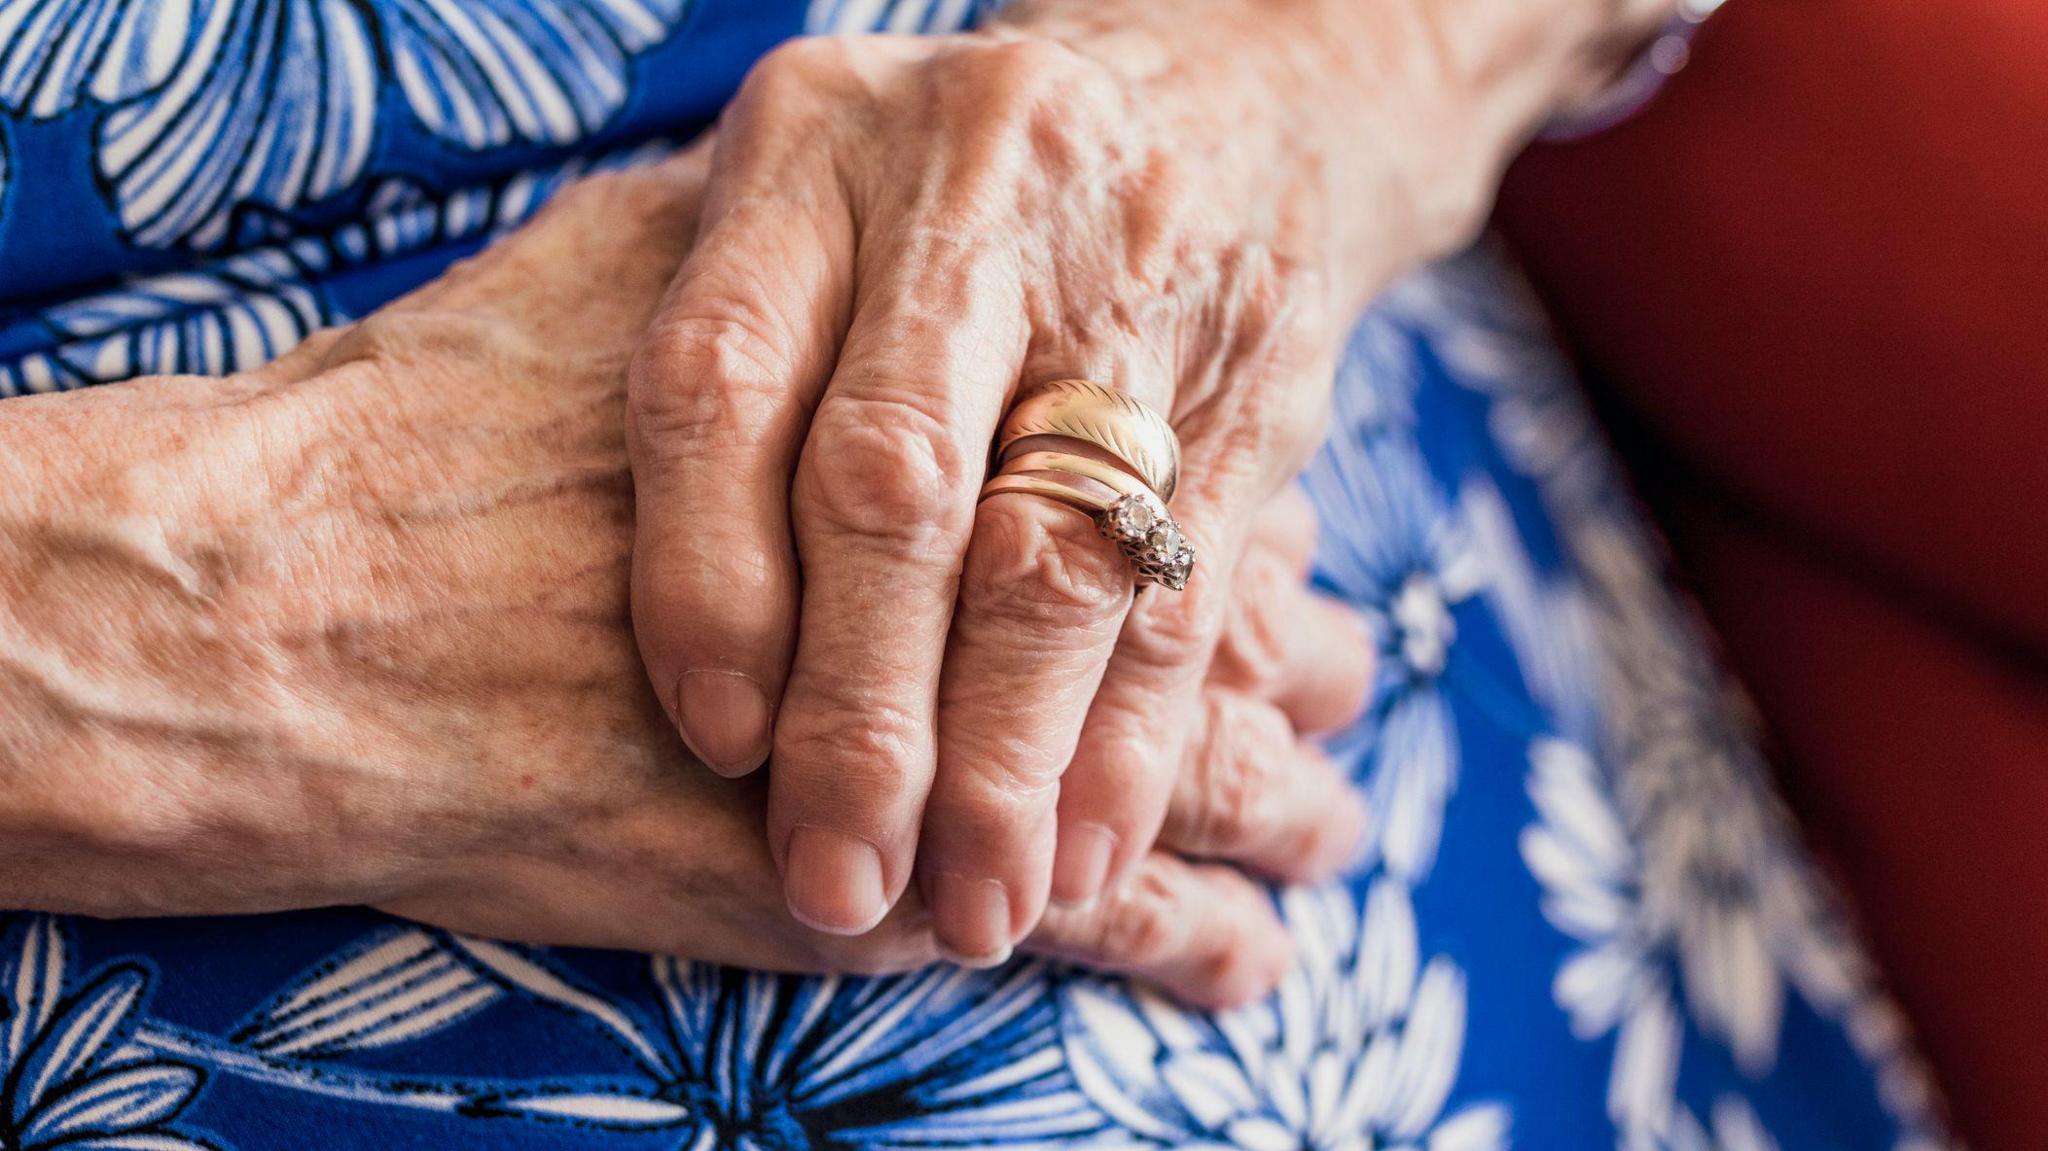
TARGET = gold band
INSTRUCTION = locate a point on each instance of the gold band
(1132, 433)
(1130, 507)
(1124, 510)
(1038, 485)
(1115, 479)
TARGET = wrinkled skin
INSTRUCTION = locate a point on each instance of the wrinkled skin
(1187, 201)
(900, 233)
(354, 628)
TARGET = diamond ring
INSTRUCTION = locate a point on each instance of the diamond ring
(1128, 456)
(1150, 539)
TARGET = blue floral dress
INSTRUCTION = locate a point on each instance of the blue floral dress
(1584, 922)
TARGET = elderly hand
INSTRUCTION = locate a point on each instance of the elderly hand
(899, 235)
(353, 629)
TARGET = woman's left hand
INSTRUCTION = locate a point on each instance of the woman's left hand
(899, 234)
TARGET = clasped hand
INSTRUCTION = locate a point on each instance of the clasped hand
(899, 234)
(353, 628)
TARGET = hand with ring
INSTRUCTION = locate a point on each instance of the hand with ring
(907, 243)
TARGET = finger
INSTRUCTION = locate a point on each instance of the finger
(1284, 642)
(1114, 794)
(882, 504)
(1042, 596)
(720, 396)
(1287, 525)
(1042, 599)
(1251, 794)
(1205, 934)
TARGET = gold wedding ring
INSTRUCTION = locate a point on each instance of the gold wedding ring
(1127, 498)
(1100, 415)
(1120, 483)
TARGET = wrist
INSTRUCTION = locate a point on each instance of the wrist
(145, 711)
(1388, 122)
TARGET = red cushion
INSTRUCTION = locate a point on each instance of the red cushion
(1816, 268)
(1918, 761)
(1819, 262)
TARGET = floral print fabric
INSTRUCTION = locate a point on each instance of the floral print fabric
(1583, 920)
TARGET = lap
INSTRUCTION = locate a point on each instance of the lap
(1583, 915)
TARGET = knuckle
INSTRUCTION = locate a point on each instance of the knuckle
(1301, 424)
(1252, 653)
(1018, 781)
(1293, 507)
(1299, 427)
(1282, 303)
(1171, 634)
(679, 586)
(706, 382)
(793, 74)
(1239, 797)
(1034, 100)
(1144, 925)
(1035, 565)
(1020, 71)
(955, 260)
(865, 746)
(885, 471)
(1283, 343)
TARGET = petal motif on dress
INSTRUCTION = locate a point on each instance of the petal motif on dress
(55, 54)
(1660, 845)
(391, 987)
(1359, 1048)
(140, 1141)
(902, 17)
(272, 105)
(94, 1021)
(608, 1110)
(32, 958)
(534, 974)
(486, 73)
(241, 312)
(69, 1074)
(112, 1102)
(1410, 564)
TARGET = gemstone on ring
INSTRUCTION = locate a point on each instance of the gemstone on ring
(1150, 539)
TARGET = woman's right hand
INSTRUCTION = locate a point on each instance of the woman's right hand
(353, 629)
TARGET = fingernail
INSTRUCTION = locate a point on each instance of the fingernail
(1080, 865)
(971, 918)
(725, 719)
(833, 881)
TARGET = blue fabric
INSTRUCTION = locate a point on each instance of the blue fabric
(1584, 920)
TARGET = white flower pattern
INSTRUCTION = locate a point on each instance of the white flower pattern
(1659, 845)
(1358, 1050)
(1733, 1126)
(223, 114)
(1410, 567)
(1679, 932)
(71, 1078)
(247, 309)
(253, 132)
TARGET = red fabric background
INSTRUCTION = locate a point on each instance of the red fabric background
(1815, 273)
